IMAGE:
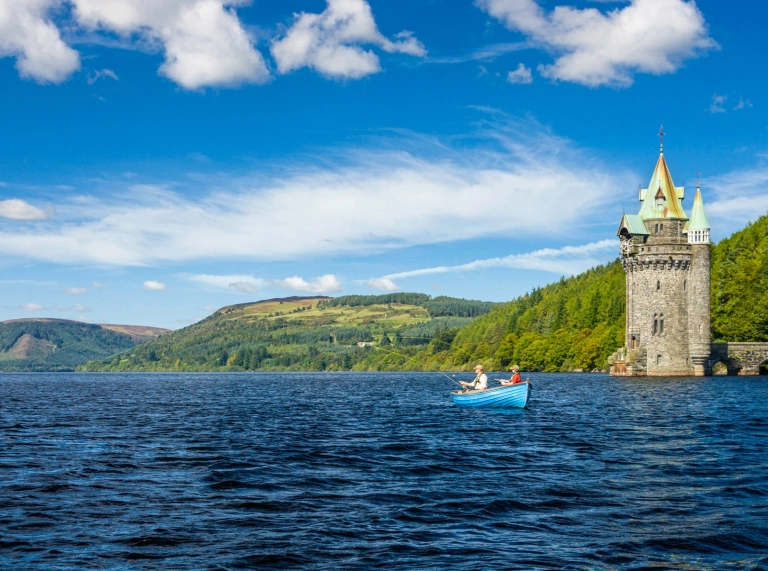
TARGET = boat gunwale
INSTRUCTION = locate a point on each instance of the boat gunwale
(486, 391)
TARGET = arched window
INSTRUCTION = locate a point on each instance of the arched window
(658, 285)
(633, 345)
(655, 324)
(661, 324)
(685, 285)
(661, 227)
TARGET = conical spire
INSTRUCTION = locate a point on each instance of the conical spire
(698, 219)
(662, 199)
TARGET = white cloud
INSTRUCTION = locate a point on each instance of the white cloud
(152, 285)
(717, 103)
(384, 284)
(16, 209)
(241, 283)
(324, 284)
(596, 48)
(330, 42)
(740, 196)
(76, 308)
(569, 260)
(99, 285)
(743, 104)
(101, 74)
(27, 33)
(76, 290)
(204, 41)
(521, 75)
(32, 307)
(530, 183)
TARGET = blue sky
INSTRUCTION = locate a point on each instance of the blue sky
(164, 158)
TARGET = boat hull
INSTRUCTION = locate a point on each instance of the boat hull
(510, 396)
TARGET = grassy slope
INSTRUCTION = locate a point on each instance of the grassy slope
(295, 334)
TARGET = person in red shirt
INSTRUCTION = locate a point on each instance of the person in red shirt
(515, 376)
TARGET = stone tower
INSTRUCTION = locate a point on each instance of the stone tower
(666, 260)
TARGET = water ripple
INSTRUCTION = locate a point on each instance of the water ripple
(381, 471)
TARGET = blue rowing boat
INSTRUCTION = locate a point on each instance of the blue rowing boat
(508, 396)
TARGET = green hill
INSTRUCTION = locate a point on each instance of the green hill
(299, 333)
(62, 345)
(574, 323)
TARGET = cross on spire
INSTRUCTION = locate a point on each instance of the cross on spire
(698, 179)
(661, 140)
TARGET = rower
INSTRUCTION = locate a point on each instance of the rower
(481, 380)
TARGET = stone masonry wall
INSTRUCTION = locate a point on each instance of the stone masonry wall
(658, 268)
(739, 358)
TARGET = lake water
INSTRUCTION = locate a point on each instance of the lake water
(364, 471)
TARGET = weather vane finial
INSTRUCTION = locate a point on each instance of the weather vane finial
(661, 140)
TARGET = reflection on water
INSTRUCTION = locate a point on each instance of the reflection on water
(348, 471)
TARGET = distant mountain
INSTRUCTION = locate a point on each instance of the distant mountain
(62, 345)
(299, 333)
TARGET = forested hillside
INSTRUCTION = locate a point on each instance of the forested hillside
(306, 334)
(740, 285)
(578, 322)
(61, 345)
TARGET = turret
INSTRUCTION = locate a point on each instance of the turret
(699, 334)
(697, 227)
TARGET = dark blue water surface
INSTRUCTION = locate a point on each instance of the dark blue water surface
(362, 471)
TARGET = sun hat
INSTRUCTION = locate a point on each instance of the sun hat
(514, 368)
(479, 367)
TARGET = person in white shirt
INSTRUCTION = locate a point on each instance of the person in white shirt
(481, 381)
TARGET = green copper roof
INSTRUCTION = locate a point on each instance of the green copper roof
(634, 225)
(661, 186)
(698, 219)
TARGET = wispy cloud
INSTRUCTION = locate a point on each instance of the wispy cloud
(739, 196)
(76, 290)
(98, 74)
(152, 285)
(717, 103)
(514, 180)
(485, 53)
(522, 75)
(742, 104)
(237, 282)
(324, 284)
(328, 283)
(37, 308)
(384, 284)
(568, 260)
(17, 209)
